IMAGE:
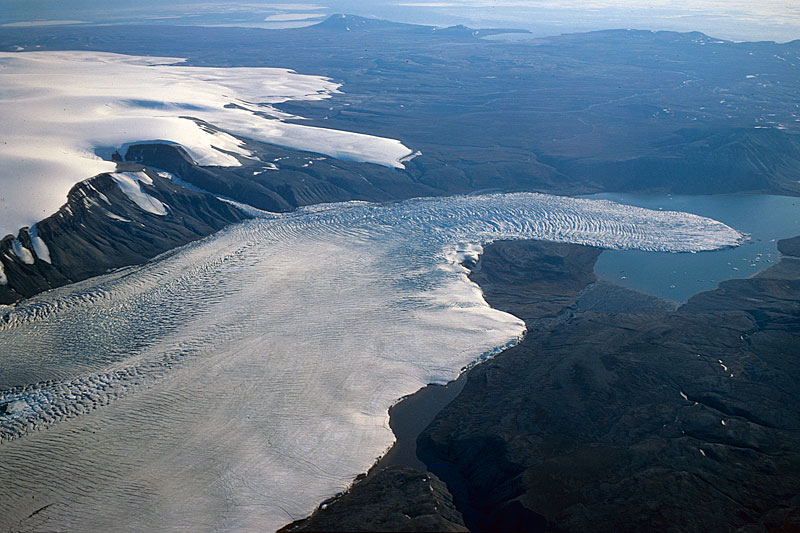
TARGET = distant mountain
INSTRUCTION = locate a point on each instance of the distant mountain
(702, 162)
(346, 23)
(353, 23)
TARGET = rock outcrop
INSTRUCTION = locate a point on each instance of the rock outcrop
(686, 420)
(102, 228)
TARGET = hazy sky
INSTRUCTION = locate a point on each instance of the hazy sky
(731, 19)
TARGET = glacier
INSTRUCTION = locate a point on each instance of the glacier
(61, 108)
(238, 381)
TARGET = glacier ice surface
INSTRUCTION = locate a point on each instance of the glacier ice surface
(238, 382)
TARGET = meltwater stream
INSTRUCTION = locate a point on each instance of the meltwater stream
(237, 382)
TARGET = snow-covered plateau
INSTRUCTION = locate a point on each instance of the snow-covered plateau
(60, 109)
(239, 381)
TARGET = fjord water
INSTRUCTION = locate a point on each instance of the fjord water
(236, 382)
(765, 218)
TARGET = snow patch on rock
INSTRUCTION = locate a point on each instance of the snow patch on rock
(39, 247)
(21, 252)
(130, 184)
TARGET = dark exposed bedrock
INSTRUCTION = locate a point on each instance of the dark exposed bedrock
(299, 178)
(685, 420)
(100, 229)
(400, 499)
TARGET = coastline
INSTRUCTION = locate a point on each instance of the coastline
(412, 414)
(616, 398)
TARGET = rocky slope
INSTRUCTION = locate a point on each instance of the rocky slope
(103, 227)
(400, 499)
(278, 179)
(683, 420)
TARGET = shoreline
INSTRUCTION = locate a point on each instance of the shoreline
(412, 414)
(605, 376)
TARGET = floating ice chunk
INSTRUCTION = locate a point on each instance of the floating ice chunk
(702, 451)
(684, 396)
(130, 184)
(23, 253)
(39, 247)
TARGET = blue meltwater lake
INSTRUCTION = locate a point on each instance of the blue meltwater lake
(765, 218)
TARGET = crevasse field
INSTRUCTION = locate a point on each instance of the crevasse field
(235, 383)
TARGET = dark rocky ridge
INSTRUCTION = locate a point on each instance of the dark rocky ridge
(557, 273)
(302, 178)
(400, 499)
(84, 241)
(679, 420)
(89, 236)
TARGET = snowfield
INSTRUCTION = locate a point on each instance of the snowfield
(60, 108)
